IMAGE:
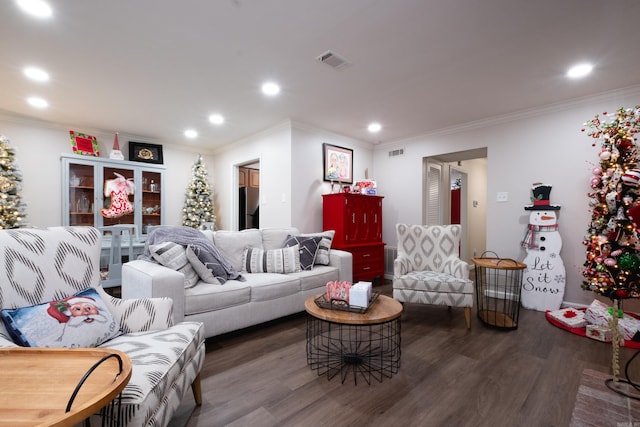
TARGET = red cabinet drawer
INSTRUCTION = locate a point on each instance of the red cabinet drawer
(368, 261)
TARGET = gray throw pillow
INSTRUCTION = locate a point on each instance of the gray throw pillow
(322, 257)
(308, 249)
(173, 256)
(205, 274)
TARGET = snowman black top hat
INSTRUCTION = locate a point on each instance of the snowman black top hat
(540, 199)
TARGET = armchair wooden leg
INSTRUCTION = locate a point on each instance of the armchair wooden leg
(197, 390)
(467, 316)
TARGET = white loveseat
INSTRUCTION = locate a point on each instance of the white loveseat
(236, 304)
(42, 267)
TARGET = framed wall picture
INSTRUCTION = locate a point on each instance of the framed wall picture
(143, 152)
(86, 145)
(338, 163)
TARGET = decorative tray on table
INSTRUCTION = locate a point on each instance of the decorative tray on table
(339, 304)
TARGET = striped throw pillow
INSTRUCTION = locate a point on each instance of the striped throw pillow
(283, 260)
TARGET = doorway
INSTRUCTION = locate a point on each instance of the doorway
(461, 174)
(247, 213)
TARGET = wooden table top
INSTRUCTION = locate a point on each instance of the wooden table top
(383, 309)
(499, 263)
(38, 382)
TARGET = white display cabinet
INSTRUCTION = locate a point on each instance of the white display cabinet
(83, 192)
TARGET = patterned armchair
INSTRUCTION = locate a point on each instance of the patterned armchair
(428, 269)
(38, 266)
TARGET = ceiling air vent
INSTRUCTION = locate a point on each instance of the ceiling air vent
(395, 153)
(333, 59)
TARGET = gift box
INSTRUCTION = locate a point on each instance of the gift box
(367, 186)
(569, 317)
(599, 314)
(360, 294)
(629, 325)
(600, 333)
(338, 290)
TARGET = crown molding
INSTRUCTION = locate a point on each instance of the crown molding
(607, 96)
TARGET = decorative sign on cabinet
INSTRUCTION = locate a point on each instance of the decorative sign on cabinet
(84, 193)
(357, 220)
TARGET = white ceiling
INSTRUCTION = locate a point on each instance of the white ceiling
(152, 68)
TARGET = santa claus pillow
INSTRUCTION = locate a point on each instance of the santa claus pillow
(82, 320)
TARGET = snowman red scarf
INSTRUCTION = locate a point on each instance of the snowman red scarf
(529, 239)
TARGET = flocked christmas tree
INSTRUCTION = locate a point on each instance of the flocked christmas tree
(12, 210)
(198, 204)
(612, 266)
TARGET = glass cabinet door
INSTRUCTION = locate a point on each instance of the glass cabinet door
(115, 198)
(81, 194)
(151, 199)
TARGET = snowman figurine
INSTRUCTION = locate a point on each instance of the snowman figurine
(543, 280)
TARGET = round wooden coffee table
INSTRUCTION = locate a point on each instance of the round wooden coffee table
(364, 344)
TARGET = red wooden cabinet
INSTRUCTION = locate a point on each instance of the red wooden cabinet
(357, 221)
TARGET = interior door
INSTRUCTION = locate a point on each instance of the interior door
(436, 193)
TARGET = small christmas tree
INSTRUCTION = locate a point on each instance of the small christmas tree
(612, 267)
(12, 210)
(198, 205)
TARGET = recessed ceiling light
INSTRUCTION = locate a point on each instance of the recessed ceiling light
(36, 74)
(270, 89)
(37, 102)
(216, 119)
(190, 133)
(374, 127)
(36, 8)
(579, 70)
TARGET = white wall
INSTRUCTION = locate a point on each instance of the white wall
(542, 146)
(273, 148)
(291, 184)
(307, 172)
(290, 172)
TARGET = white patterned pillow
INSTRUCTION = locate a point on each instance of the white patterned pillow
(322, 257)
(81, 320)
(283, 260)
(173, 256)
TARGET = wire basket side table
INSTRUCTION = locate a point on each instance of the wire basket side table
(498, 288)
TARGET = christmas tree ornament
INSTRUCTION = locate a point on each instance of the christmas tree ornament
(631, 177)
(629, 261)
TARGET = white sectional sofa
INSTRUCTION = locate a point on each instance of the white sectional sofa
(236, 304)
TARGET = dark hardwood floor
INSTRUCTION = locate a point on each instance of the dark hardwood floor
(449, 376)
